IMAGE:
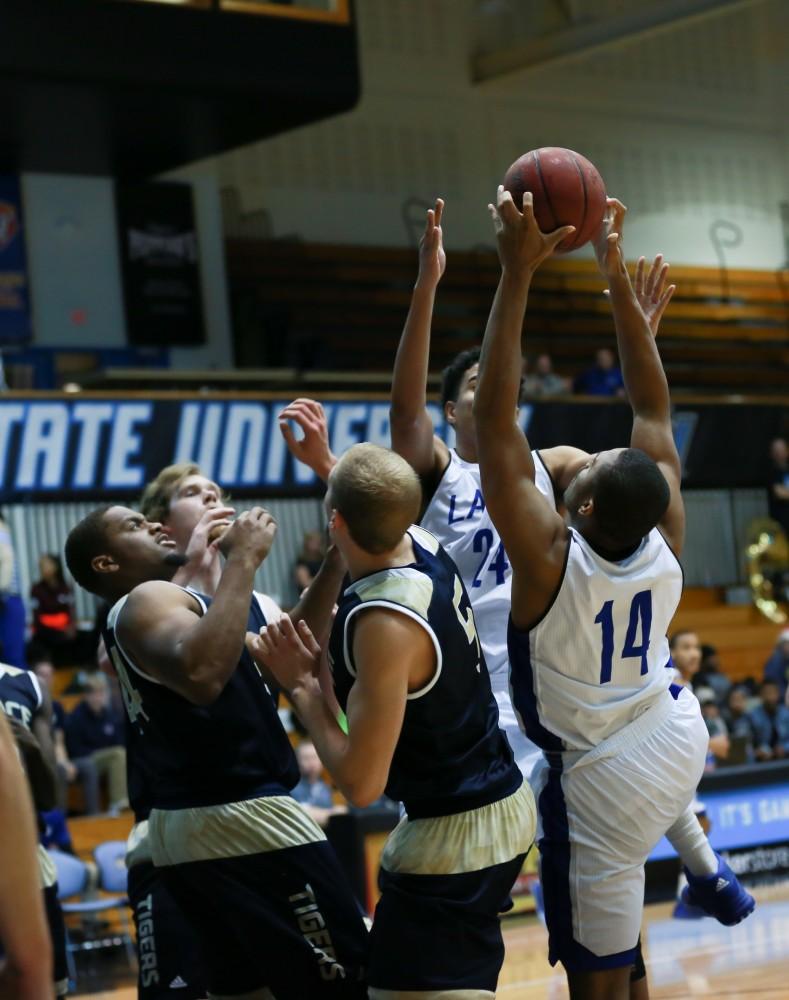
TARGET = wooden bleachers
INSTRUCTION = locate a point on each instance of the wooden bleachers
(743, 637)
(345, 306)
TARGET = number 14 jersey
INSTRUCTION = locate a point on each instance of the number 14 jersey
(597, 658)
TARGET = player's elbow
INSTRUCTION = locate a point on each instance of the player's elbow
(364, 791)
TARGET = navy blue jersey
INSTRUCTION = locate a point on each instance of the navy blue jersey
(20, 694)
(191, 755)
(451, 755)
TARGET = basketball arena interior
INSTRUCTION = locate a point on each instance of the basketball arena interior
(241, 238)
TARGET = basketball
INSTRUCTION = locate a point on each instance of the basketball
(218, 530)
(567, 189)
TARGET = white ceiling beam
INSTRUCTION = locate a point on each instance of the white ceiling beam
(595, 36)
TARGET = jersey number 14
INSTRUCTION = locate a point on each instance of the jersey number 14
(640, 620)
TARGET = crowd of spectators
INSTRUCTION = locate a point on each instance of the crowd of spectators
(602, 378)
(748, 722)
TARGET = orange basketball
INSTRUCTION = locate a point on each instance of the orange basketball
(567, 190)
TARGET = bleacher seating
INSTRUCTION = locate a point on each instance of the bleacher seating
(343, 307)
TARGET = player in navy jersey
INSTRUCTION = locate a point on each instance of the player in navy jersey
(254, 874)
(422, 727)
(28, 708)
(591, 604)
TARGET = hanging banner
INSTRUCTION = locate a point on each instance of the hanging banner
(160, 264)
(85, 446)
(14, 292)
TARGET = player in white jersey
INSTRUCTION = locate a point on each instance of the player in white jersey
(591, 604)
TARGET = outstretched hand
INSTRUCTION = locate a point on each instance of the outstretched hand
(651, 290)
(522, 245)
(290, 652)
(313, 448)
(607, 240)
(432, 258)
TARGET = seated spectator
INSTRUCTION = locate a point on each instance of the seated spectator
(603, 379)
(686, 657)
(710, 674)
(770, 721)
(778, 483)
(54, 621)
(543, 380)
(95, 743)
(716, 727)
(312, 792)
(776, 669)
(309, 560)
(737, 720)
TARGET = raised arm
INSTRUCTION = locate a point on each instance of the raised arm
(642, 369)
(196, 655)
(534, 535)
(358, 762)
(413, 436)
(312, 448)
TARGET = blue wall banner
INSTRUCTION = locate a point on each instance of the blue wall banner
(95, 445)
(14, 292)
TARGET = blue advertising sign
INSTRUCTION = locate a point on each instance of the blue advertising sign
(741, 817)
(14, 294)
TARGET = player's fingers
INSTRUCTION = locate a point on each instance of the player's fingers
(528, 210)
(429, 223)
(497, 224)
(654, 271)
(439, 210)
(308, 638)
(639, 276)
(664, 300)
(660, 283)
(555, 238)
(290, 437)
(506, 206)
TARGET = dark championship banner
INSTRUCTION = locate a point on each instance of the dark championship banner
(160, 264)
(81, 447)
(14, 294)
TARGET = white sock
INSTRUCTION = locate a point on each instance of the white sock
(690, 842)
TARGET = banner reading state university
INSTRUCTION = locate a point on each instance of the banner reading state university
(87, 446)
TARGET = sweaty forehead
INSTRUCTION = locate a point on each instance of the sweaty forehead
(469, 374)
(116, 516)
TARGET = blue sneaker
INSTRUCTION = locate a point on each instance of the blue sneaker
(685, 911)
(720, 895)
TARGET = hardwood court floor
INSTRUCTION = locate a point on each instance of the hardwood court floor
(685, 959)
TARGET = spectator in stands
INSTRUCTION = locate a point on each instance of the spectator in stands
(95, 743)
(52, 602)
(737, 720)
(686, 656)
(710, 674)
(41, 664)
(770, 721)
(12, 609)
(776, 669)
(716, 727)
(309, 560)
(604, 378)
(312, 792)
(778, 484)
(543, 380)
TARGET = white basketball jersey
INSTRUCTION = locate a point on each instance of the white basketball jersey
(457, 516)
(598, 657)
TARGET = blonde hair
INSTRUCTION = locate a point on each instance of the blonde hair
(378, 494)
(156, 497)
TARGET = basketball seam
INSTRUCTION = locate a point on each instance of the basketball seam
(545, 189)
(586, 198)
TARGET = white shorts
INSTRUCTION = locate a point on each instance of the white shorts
(600, 813)
(527, 754)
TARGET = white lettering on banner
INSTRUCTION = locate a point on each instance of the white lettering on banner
(736, 814)
(378, 425)
(187, 432)
(43, 449)
(10, 414)
(346, 431)
(243, 443)
(124, 445)
(91, 416)
(773, 810)
(209, 438)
